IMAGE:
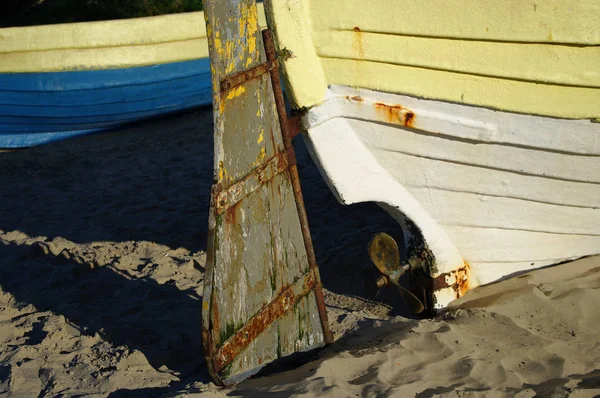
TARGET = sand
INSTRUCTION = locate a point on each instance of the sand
(102, 255)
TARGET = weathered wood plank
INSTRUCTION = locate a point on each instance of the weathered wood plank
(258, 302)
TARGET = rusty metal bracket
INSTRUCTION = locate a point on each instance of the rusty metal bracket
(240, 78)
(271, 53)
(291, 156)
(286, 300)
(254, 180)
(251, 182)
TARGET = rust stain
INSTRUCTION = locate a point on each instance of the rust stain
(291, 154)
(358, 44)
(462, 280)
(459, 280)
(272, 137)
(206, 341)
(355, 98)
(396, 114)
(261, 321)
(231, 215)
(409, 119)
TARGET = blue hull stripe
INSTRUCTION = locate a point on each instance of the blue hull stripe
(93, 122)
(93, 79)
(99, 96)
(37, 108)
(91, 113)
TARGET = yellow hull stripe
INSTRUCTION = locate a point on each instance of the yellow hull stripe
(537, 57)
(106, 44)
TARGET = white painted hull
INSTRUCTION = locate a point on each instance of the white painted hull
(499, 192)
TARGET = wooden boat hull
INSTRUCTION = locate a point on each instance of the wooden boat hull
(37, 108)
(479, 134)
(61, 81)
(484, 196)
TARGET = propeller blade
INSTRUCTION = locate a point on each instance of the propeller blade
(416, 306)
(383, 251)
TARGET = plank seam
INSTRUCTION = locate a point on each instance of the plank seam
(521, 173)
(566, 44)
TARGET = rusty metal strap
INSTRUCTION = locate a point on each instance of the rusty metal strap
(291, 155)
(271, 53)
(240, 78)
(251, 182)
(286, 300)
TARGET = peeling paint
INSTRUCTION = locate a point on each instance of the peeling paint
(236, 92)
(261, 136)
(217, 42)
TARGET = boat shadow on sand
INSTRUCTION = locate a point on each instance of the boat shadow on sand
(160, 320)
(149, 183)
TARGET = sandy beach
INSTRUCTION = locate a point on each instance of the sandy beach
(102, 256)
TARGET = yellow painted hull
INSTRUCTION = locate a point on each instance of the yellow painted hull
(106, 44)
(533, 57)
(460, 117)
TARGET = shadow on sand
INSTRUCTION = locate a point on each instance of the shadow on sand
(148, 183)
(159, 320)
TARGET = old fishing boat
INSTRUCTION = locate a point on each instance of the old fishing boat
(64, 80)
(473, 123)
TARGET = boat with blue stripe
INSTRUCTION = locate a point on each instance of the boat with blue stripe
(64, 80)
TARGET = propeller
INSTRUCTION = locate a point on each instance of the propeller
(384, 253)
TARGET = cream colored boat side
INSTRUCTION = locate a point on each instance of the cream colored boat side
(106, 44)
(103, 58)
(122, 32)
(528, 21)
(528, 57)
(478, 198)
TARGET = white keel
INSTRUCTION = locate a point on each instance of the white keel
(492, 193)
